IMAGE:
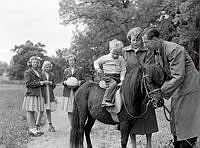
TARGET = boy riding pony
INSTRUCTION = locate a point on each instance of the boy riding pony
(113, 68)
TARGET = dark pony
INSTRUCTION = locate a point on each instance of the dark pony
(141, 85)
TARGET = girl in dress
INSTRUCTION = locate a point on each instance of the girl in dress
(68, 93)
(47, 92)
(33, 100)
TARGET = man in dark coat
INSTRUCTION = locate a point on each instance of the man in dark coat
(182, 86)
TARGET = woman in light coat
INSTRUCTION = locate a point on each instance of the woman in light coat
(182, 86)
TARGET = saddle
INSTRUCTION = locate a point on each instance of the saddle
(115, 93)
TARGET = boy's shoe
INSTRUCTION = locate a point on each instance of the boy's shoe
(106, 104)
(51, 128)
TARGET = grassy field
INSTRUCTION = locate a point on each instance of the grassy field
(12, 118)
(14, 126)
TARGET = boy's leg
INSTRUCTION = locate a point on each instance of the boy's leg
(107, 99)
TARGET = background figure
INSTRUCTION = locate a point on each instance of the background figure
(182, 86)
(47, 93)
(134, 54)
(68, 93)
(33, 101)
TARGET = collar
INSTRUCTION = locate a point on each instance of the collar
(35, 72)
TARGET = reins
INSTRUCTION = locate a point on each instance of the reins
(166, 110)
(136, 117)
(147, 95)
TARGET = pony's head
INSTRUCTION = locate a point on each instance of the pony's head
(152, 80)
(141, 86)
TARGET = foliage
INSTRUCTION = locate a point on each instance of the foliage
(188, 26)
(3, 67)
(19, 61)
(103, 21)
(59, 65)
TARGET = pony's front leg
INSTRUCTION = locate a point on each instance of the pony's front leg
(148, 136)
(133, 140)
(125, 131)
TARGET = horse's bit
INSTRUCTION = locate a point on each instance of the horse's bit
(156, 104)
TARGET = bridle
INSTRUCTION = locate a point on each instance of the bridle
(148, 93)
(152, 101)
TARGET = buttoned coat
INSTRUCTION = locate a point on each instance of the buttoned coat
(51, 87)
(78, 74)
(184, 90)
(32, 83)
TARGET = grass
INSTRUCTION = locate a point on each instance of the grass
(13, 125)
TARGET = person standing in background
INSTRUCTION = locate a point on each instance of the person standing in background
(33, 100)
(47, 93)
(68, 92)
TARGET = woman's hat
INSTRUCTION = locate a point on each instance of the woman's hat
(70, 56)
(35, 58)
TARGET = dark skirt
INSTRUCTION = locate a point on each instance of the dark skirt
(145, 125)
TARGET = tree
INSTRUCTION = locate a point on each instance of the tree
(3, 67)
(19, 61)
(188, 26)
(105, 20)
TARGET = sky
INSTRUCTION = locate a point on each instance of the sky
(34, 20)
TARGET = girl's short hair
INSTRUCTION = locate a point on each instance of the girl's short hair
(137, 31)
(45, 64)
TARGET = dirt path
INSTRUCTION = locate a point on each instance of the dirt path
(58, 139)
(102, 136)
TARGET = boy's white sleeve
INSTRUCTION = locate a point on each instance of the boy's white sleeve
(123, 69)
(97, 63)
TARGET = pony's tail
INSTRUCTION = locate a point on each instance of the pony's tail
(76, 133)
(75, 128)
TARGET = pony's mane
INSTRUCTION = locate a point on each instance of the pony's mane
(132, 86)
(130, 89)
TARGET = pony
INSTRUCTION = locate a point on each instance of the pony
(139, 90)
